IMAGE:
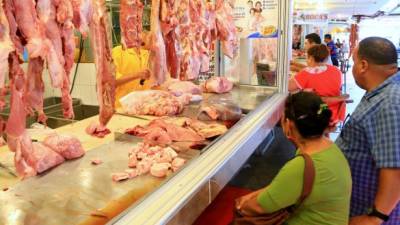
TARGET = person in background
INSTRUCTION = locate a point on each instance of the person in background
(258, 6)
(370, 140)
(325, 80)
(338, 44)
(251, 19)
(304, 121)
(332, 48)
(131, 69)
(310, 40)
(250, 4)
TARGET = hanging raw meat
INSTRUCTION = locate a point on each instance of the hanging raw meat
(353, 38)
(101, 43)
(226, 27)
(158, 58)
(131, 13)
(169, 24)
(82, 11)
(35, 88)
(64, 19)
(6, 47)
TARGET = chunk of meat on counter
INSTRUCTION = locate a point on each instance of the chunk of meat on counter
(179, 88)
(101, 43)
(96, 161)
(43, 158)
(163, 133)
(96, 130)
(177, 163)
(68, 146)
(117, 177)
(132, 161)
(132, 173)
(144, 166)
(223, 110)
(207, 130)
(160, 169)
(217, 85)
(152, 102)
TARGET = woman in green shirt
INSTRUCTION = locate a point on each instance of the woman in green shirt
(304, 123)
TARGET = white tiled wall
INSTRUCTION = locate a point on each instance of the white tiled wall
(85, 84)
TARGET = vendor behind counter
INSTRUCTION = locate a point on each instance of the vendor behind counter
(131, 67)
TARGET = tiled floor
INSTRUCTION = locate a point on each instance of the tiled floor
(261, 169)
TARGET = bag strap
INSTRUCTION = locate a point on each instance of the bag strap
(309, 176)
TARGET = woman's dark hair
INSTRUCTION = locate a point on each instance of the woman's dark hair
(318, 52)
(309, 113)
(313, 38)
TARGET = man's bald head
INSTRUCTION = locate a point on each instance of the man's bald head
(377, 51)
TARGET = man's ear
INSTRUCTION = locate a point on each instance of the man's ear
(364, 66)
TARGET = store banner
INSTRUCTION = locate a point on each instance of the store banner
(256, 19)
(310, 18)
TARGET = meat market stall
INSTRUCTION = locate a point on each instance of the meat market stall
(99, 187)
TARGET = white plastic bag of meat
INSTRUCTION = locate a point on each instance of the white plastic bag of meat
(67, 146)
(219, 109)
(154, 103)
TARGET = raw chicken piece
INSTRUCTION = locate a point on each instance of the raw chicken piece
(158, 58)
(119, 176)
(132, 162)
(6, 45)
(152, 102)
(98, 131)
(131, 23)
(159, 169)
(179, 88)
(101, 43)
(217, 85)
(144, 166)
(67, 146)
(132, 173)
(43, 158)
(97, 161)
(177, 163)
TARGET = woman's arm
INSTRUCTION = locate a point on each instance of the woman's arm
(292, 86)
(145, 74)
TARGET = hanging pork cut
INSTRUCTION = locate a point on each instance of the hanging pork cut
(158, 58)
(82, 12)
(131, 14)
(6, 47)
(353, 38)
(35, 88)
(226, 27)
(101, 43)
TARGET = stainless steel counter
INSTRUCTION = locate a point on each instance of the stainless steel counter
(80, 193)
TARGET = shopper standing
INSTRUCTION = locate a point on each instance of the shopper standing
(310, 40)
(370, 139)
(332, 47)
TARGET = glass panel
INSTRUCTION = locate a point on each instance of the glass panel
(256, 62)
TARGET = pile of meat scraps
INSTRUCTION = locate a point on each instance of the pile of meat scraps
(217, 85)
(154, 103)
(144, 159)
(166, 131)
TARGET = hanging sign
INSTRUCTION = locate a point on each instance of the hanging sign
(310, 18)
